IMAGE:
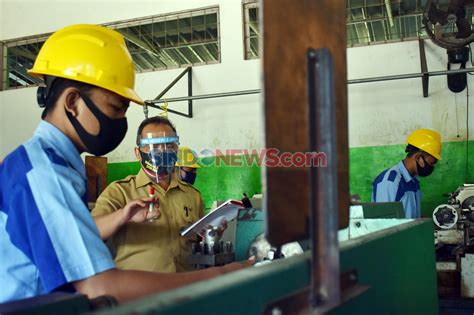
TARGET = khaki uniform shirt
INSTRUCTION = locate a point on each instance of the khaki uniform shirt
(152, 246)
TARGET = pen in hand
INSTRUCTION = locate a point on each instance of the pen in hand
(151, 206)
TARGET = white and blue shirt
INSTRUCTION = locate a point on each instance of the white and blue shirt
(48, 238)
(396, 184)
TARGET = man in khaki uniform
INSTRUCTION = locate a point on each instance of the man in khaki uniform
(140, 244)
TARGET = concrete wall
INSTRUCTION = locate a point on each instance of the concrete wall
(385, 112)
(218, 123)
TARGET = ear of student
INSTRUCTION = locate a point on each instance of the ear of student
(71, 98)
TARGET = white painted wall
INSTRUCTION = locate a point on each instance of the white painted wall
(386, 112)
(379, 113)
(218, 123)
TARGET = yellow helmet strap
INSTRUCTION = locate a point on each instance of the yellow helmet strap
(43, 91)
(41, 95)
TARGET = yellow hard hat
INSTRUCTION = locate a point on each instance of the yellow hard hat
(187, 158)
(91, 54)
(426, 140)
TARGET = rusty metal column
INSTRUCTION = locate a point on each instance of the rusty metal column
(315, 24)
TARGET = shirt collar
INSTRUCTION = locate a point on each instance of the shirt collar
(142, 179)
(61, 143)
(406, 175)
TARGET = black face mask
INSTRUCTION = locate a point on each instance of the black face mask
(161, 164)
(189, 177)
(425, 170)
(111, 133)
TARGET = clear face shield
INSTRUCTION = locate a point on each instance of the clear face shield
(159, 153)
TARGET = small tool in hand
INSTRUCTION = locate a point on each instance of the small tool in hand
(151, 206)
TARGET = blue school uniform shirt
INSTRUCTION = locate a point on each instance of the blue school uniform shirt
(396, 184)
(48, 238)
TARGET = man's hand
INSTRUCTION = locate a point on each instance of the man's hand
(137, 210)
(134, 211)
(220, 229)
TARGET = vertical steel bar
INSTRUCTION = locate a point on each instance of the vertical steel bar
(190, 92)
(3, 67)
(323, 181)
(425, 79)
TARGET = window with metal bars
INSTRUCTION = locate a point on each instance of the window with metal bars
(368, 22)
(166, 41)
(381, 21)
(177, 40)
(18, 57)
(251, 29)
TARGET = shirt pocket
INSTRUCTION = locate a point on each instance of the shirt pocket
(188, 213)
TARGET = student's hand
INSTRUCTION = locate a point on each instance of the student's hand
(238, 265)
(222, 227)
(137, 210)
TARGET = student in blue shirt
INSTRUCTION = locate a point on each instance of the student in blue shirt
(400, 182)
(48, 239)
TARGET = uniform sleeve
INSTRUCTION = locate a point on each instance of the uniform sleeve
(52, 226)
(411, 213)
(110, 200)
(412, 205)
(385, 191)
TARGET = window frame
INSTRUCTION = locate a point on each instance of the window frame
(210, 54)
(246, 5)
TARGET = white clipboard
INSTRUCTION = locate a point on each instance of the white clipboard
(226, 211)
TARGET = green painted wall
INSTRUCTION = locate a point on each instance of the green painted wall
(214, 182)
(366, 163)
(224, 182)
(116, 171)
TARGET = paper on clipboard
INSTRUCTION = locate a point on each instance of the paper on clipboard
(226, 211)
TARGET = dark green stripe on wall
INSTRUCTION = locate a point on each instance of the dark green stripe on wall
(224, 182)
(214, 182)
(116, 171)
(367, 162)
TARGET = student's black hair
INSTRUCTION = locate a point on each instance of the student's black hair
(56, 86)
(411, 150)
